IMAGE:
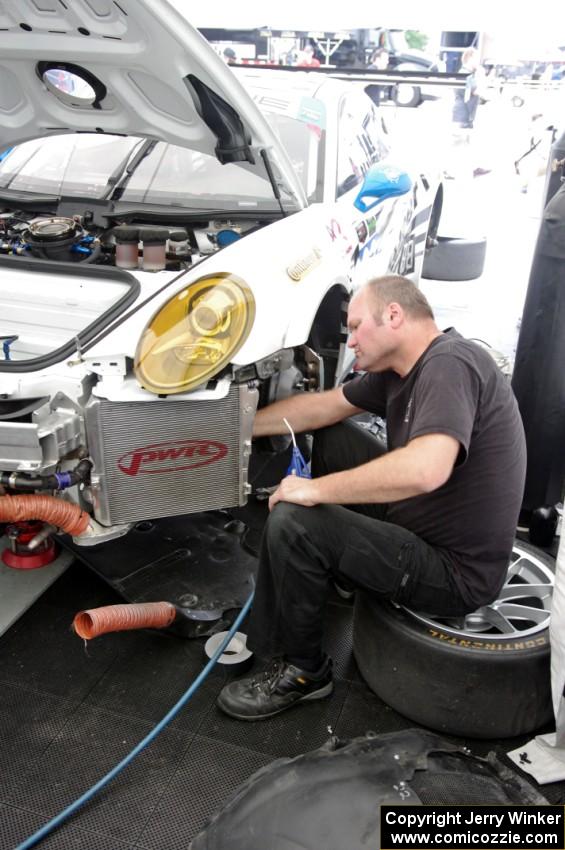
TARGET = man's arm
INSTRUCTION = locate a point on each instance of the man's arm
(419, 467)
(304, 411)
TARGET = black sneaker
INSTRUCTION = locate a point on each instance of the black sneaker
(274, 690)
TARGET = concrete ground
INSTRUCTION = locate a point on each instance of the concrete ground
(502, 205)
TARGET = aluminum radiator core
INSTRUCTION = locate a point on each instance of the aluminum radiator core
(165, 458)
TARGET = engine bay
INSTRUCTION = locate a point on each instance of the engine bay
(83, 238)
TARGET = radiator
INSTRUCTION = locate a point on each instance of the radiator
(165, 458)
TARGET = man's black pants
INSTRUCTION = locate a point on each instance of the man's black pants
(304, 549)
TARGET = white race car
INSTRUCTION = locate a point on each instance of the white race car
(178, 243)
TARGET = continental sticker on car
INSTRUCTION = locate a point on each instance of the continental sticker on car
(172, 456)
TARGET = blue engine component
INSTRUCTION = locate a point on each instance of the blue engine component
(227, 237)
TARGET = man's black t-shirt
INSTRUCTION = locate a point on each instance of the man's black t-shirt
(456, 388)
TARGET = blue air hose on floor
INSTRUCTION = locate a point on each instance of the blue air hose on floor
(88, 795)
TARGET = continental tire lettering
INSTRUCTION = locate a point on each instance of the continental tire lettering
(490, 646)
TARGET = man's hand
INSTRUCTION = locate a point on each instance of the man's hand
(299, 491)
(422, 466)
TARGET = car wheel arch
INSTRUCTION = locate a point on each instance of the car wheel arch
(328, 332)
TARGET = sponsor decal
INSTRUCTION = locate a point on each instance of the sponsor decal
(305, 265)
(338, 234)
(172, 456)
(313, 113)
(362, 230)
(334, 229)
(377, 227)
(392, 173)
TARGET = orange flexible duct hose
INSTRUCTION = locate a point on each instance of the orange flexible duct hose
(64, 515)
(119, 618)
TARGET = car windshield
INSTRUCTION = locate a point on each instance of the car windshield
(299, 120)
(65, 165)
(88, 165)
(304, 142)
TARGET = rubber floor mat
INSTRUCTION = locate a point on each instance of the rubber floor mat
(69, 711)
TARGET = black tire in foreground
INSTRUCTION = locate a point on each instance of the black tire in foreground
(455, 259)
(486, 675)
(407, 96)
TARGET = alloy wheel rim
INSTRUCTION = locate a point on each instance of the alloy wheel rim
(522, 609)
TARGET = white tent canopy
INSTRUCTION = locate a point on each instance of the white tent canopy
(544, 22)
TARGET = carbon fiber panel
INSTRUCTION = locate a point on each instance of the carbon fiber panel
(165, 458)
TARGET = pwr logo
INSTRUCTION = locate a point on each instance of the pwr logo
(172, 456)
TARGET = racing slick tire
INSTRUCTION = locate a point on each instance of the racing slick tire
(407, 96)
(483, 676)
(455, 259)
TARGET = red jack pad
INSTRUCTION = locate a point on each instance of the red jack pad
(23, 558)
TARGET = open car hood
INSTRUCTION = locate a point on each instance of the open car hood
(133, 67)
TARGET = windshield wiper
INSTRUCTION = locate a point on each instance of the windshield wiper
(117, 181)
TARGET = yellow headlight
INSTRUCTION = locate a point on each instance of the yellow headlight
(195, 334)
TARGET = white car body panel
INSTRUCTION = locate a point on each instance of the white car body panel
(301, 255)
(297, 302)
(142, 51)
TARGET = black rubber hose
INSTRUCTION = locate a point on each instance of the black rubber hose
(55, 481)
(24, 482)
(94, 254)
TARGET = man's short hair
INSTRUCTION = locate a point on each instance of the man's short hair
(229, 53)
(393, 287)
